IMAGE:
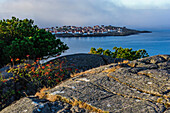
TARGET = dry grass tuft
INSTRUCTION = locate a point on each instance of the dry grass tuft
(75, 102)
(78, 74)
(85, 72)
(159, 100)
(53, 98)
(84, 105)
(42, 94)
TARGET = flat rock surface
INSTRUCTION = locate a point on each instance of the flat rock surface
(139, 86)
(33, 105)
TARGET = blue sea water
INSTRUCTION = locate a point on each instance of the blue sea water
(157, 42)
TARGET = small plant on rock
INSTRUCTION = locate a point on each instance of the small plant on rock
(29, 78)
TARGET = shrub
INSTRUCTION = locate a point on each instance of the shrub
(29, 78)
(121, 53)
(20, 37)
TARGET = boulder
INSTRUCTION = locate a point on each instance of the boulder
(85, 61)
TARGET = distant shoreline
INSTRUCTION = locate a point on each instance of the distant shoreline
(95, 31)
(127, 33)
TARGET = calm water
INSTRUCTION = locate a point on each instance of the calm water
(157, 42)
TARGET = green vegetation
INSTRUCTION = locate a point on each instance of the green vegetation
(19, 38)
(29, 78)
(121, 53)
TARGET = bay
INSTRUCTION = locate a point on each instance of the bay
(157, 42)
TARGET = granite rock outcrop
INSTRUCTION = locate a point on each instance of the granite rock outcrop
(138, 86)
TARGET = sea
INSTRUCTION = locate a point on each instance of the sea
(155, 43)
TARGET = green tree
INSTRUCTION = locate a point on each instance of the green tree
(107, 52)
(15, 28)
(121, 53)
(19, 38)
(100, 51)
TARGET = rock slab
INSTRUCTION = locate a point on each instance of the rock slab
(139, 86)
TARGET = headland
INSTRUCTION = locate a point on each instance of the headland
(73, 31)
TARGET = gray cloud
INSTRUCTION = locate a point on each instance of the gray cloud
(143, 4)
(47, 13)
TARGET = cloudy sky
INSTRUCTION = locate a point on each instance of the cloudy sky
(131, 13)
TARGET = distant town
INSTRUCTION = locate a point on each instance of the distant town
(74, 31)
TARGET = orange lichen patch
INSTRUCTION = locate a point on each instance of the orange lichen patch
(113, 69)
(42, 94)
(124, 62)
(144, 73)
(166, 96)
(131, 64)
(159, 100)
(85, 72)
(167, 105)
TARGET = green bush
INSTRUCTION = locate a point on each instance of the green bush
(19, 38)
(28, 78)
(121, 53)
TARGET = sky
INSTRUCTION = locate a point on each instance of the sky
(142, 14)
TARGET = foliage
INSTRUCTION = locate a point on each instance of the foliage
(41, 44)
(15, 28)
(28, 78)
(20, 37)
(121, 53)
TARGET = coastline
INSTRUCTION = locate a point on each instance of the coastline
(92, 31)
(127, 32)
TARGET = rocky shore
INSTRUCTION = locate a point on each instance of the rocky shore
(81, 62)
(141, 86)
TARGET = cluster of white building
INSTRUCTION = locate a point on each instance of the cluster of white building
(84, 30)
